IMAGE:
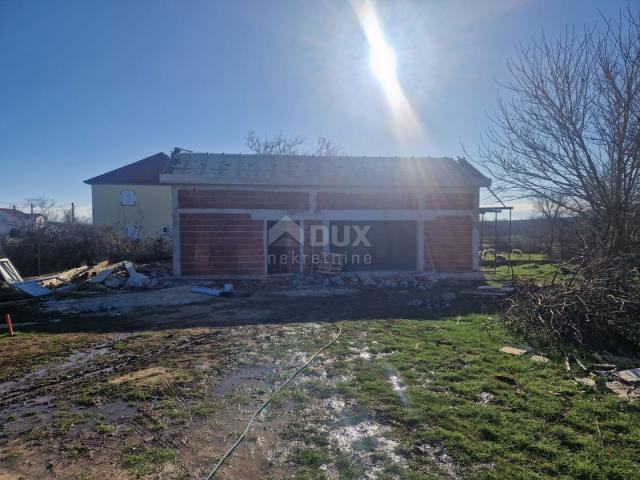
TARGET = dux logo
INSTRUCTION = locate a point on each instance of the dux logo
(320, 235)
(284, 226)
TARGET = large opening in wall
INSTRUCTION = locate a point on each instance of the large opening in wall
(375, 245)
(283, 246)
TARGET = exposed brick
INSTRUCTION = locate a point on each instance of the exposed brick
(258, 199)
(215, 244)
(448, 244)
(448, 201)
(367, 201)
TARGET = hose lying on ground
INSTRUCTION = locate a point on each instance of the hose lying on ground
(262, 407)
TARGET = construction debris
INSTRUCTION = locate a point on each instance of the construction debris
(513, 351)
(100, 278)
(12, 278)
(214, 292)
(539, 359)
(629, 376)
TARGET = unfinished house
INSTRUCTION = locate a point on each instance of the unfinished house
(236, 214)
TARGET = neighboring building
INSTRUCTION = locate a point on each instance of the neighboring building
(240, 214)
(132, 200)
(13, 220)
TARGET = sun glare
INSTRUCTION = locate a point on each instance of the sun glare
(382, 61)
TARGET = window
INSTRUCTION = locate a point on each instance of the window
(127, 198)
(132, 232)
(164, 230)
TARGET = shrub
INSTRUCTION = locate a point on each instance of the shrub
(63, 245)
(598, 308)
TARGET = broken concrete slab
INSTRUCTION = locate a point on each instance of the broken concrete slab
(629, 376)
(102, 275)
(539, 359)
(513, 351)
(623, 390)
(588, 381)
(214, 292)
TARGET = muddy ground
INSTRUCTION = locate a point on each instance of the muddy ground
(162, 391)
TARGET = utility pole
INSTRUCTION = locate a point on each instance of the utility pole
(73, 213)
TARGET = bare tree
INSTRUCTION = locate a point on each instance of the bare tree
(282, 144)
(326, 148)
(551, 210)
(279, 144)
(568, 128)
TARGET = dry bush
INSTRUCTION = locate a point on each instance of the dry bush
(598, 308)
(60, 246)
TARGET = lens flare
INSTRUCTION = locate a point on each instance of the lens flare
(382, 61)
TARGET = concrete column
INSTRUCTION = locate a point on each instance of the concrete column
(420, 245)
(265, 246)
(175, 241)
(327, 241)
(302, 240)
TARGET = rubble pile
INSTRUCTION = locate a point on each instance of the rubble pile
(422, 281)
(101, 277)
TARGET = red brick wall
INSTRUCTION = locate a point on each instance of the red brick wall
(366, 201)
(448, 243)
(448, 201)
(243, 199)
(399, 200)
(216, 243)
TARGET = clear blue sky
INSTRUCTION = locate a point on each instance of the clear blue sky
(87, 86)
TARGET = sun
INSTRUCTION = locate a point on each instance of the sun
(383, 65)
(382, 60)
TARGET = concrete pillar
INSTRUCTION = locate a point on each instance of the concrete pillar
(420, 245)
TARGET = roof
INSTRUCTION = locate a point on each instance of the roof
(186, 167)
(14, 212)
(142, 172)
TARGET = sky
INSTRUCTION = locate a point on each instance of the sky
(88, 86)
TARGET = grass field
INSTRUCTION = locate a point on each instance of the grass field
(514, 256)
(530, 271)
(405, 393)
(459, 408)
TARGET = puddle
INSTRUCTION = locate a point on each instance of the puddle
(82, 357)
(111, 411)
(369, 443)
(247, 376)
(19, 419)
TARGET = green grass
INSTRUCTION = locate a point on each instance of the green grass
(141, 461)
(538, 424)
(529, 271)
(514, 256)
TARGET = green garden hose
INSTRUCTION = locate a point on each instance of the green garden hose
(262, 407)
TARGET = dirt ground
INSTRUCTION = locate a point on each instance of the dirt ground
(162, 391)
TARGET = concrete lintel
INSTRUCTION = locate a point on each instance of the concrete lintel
(336, 215)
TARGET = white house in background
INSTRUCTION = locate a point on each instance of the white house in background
(12, 219)
(131, 199)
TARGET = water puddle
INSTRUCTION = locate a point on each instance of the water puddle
(250, 375)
